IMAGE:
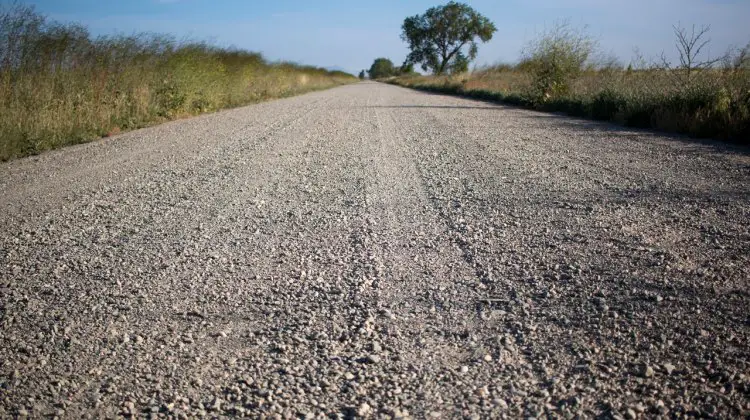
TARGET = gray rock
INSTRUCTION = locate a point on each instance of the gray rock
(373, 358)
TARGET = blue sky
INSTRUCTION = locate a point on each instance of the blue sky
(350, 34)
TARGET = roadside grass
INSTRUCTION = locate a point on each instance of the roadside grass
(60, 86)
(712, 103)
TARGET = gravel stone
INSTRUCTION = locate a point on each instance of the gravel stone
(669, 368)
(357, 252)
(364, 410)
(630, 414)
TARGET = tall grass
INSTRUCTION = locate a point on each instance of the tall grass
(59, 85)
(714, 104)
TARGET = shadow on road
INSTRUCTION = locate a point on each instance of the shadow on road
(594, 127)
(607, 128)
(721, 146)
(434, 107)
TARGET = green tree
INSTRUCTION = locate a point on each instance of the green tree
(362, 75)
(438, 38)
(407, 68)
(382, 67)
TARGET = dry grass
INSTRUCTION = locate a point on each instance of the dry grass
(59, 85)
(712, 103)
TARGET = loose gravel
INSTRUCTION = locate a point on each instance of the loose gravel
(371, 251)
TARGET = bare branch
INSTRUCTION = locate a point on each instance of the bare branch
(689, 47)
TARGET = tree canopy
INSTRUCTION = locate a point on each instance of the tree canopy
(382, 67)
(438, 38)
(407, 68)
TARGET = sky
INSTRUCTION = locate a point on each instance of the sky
(350, 34)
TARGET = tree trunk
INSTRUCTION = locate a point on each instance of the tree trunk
(443, 63)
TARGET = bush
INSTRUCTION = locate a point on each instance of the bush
(606, 104)
(382, 68)
(555, 58)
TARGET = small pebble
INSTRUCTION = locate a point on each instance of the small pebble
(669, 368)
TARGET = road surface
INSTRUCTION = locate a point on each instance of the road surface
(375, 251)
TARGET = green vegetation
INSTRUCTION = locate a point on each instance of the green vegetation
(59, 85)
(562, 71)
(382, 68)
(438, 37)
(407, 69)
(556, 58)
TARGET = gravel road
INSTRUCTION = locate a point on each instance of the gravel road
(372, 251)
